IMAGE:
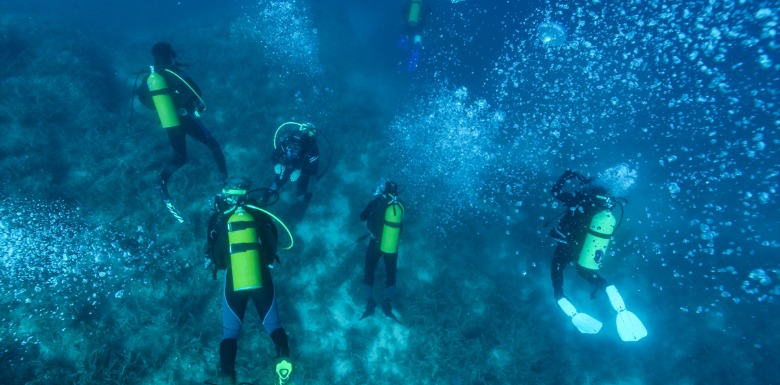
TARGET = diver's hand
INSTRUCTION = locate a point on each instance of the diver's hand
(278, 169)
(294, 175)
(569, 174)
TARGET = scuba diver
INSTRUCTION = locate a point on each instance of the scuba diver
(383, 217)
(295, 159)
(411, 40)
(242, 240)
(168, 90)
(583, 235)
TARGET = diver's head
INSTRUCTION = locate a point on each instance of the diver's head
(390, 189)
(596, 194)
(163, 54)
(235, 190)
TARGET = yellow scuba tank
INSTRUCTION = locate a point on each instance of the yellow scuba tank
(414, 13)
(244, 251)
(392, 228)
(594, 249)
(163, 102)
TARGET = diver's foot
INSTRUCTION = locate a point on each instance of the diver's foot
(284, 369)
(387, 308)
(162, 190)
(370, 306)
(595, 292)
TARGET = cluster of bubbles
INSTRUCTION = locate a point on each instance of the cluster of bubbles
(618, 179)
(763, 285)
(449, 151)
(58, 268)
(287, 33)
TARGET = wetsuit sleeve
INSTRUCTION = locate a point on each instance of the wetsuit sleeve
(269, 236)
(369, 208)
(313, 155)
(276, 155)
(217, 243)
(211, 235)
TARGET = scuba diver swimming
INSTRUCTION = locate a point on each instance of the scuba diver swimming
(296, 158)
(169, 91)
(242, 241)
(583, 235)
(383, 216)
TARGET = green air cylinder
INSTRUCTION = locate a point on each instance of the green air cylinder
(414, 13)
(244, 251)
(392, 228)
(163, 102)
(594, 249)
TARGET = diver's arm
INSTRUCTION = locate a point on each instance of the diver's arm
(569, 199)
(269, 235)
(276, 156)
(313, 155)
(211, 235)
(369, 208)
(144, 96)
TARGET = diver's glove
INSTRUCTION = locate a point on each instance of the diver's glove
(278, 169)
(294, 175)
(570, 174)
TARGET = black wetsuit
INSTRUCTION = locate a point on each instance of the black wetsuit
(374, 216)
(186, 103)
(572, 229)
(234, 303)
(297, 151)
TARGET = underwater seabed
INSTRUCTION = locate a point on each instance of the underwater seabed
(139, 314)
(102, 286)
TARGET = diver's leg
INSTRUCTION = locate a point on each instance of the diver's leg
(195, 128)
(233, 309)
(372, 259)
(265, 302)
(594, 278)
(559, 262)
(303, 187)
(178, 143)
(391, 266)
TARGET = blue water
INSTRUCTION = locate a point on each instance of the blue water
(673, 106)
